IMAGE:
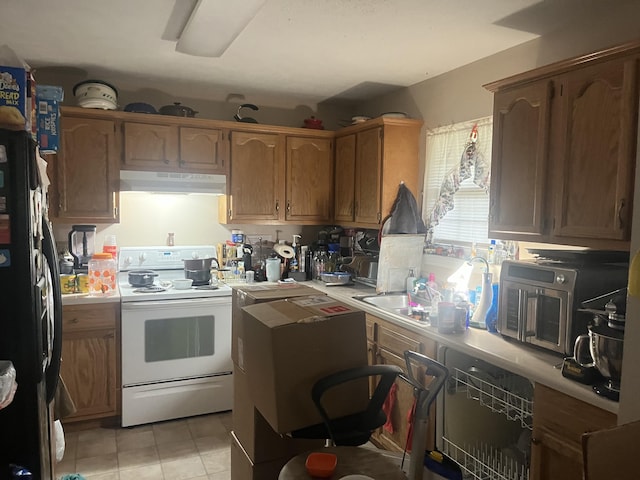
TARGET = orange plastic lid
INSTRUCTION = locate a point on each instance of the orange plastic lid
(321, 465)
(102, 256)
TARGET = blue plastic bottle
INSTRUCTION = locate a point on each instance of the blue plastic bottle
(492, 313)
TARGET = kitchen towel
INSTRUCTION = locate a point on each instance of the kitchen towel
(387, 408)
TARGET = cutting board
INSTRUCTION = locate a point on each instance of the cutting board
(398, 253)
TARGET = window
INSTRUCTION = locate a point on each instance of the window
(456, 183)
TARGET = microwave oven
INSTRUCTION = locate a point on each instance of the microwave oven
(539, 303)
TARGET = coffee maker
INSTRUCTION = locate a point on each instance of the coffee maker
(82, 240)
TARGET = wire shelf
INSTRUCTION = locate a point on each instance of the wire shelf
(508, 394)
(482, 462)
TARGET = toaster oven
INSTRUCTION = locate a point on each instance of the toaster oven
(540, 302)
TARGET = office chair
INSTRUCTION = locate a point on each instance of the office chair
(354, 429)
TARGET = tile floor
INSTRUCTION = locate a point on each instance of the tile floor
(192, 448)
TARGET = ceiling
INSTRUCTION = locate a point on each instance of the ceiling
(311, 50)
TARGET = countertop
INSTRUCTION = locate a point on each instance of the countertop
(538, 366)
(86, 299)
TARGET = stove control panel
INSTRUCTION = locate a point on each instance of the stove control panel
(162, 258)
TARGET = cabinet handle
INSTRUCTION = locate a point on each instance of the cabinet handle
(288, 207)
(74, 320)
(166, 161)
(620, 219)
(277, 206)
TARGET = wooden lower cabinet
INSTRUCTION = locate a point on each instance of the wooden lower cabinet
(91, 360)
(390, 343)
(558, 424)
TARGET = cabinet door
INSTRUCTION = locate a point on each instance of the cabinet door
(558, 424)
(90, 363)
(150, 147)
(202, 149)
(596, 155)
(368, 176)
(256, 178)
(519, 160)
(89, 372)
(88, 174)
(345, 178)
(309, 179)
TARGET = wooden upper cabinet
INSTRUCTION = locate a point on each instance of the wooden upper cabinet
(368, 188)
(256, 177)
(372, 159)
(278, 178)
(203, 149)
(174, 148)
(309, 180)
(150, 147)
(598, 107)
(87, 171)
(345, 179)
(564, 148)
(519, 159)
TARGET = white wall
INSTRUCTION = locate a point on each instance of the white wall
(146, 219)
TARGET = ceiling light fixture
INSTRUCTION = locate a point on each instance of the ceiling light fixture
(214, 25)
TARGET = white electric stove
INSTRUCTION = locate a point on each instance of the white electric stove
(176, 344)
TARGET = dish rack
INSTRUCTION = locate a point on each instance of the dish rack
(507, 394)
(483, 462)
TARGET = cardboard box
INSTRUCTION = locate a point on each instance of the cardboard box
(48, 98)
(611, 453)
(289, 345)
(17, 99)
(249, 295)
(260, 442)
(242, 468)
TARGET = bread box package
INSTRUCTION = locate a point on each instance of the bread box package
(259, 293)
(17, 93)
(289, 345)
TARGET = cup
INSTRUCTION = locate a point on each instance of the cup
(67, 284)
(250, 276)
(83, 282)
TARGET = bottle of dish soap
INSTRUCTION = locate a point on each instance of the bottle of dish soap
(411, 281)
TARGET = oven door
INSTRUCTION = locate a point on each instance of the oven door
(534, 314)
(175, 339)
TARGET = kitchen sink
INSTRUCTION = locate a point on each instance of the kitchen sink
(394, 303)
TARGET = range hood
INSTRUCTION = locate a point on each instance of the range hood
(171, 182)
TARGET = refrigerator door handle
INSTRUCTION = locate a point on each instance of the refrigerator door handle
(49, 251)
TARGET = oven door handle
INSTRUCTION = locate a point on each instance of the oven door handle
(529, 326)
(174, 303)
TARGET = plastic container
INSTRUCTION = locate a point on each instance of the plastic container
(102, 275)
(321, 465)
(479, 318)
(110, 246)
(273, 269)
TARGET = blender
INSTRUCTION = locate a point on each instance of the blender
(82, 239)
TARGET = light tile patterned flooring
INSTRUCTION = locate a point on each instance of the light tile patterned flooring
(191, 448)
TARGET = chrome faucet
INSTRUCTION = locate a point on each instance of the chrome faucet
(481, 259)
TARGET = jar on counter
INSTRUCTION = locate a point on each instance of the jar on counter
(102, 275)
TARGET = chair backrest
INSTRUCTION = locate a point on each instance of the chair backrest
(367, 420)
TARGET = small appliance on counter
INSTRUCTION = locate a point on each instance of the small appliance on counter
(602, 347)
(82, 246)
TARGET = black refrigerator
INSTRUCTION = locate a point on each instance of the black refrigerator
(30, 308)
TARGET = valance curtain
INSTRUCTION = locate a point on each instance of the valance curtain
(456, 183)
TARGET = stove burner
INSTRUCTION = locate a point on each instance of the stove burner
(149, 289)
